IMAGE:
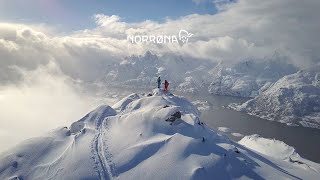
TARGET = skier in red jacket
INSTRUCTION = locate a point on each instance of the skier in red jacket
(166, 85)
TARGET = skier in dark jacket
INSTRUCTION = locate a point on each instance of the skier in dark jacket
(159, 82)
(166, 85)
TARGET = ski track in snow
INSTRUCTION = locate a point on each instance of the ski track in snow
(103, 168)
(163, 153)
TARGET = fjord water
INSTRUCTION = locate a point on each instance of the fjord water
(304, 140)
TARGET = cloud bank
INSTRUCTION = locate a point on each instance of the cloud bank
(45, 100)
(241, 29)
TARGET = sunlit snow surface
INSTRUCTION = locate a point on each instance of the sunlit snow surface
(133, 140)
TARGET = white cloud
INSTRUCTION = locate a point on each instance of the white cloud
(44, 101)
(245, 28)
(249, 27)
(199, 1)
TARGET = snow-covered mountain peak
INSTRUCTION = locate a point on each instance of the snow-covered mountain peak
(141, 72)
(248, 78)
(293, 99)
(153, 136)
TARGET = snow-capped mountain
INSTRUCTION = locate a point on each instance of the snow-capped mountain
(158, 136)
(294, 99)
(248, 78)
(184, 74)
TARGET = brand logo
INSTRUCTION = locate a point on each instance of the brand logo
(182, 38)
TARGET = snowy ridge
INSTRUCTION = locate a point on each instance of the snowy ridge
(184, 74)
(276, 149)
(271, 147)
(245, 78)
(248, 78)
(294, 99)
(157, 136)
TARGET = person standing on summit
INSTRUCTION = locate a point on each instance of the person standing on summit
(166, 85)
(159, 82)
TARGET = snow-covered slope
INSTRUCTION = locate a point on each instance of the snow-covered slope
(271, 147)
(294, 99)
(184, 74)
(248, 78)
(157, 136)
(276, 149)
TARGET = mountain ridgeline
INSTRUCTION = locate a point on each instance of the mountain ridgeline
(153, 136)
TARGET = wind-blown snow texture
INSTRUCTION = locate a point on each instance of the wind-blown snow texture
(133, 140)
(294, 99)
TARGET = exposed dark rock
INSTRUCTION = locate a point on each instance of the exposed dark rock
(295, 161)
(175, 116)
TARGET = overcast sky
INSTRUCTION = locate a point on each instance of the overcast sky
(46, 45)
